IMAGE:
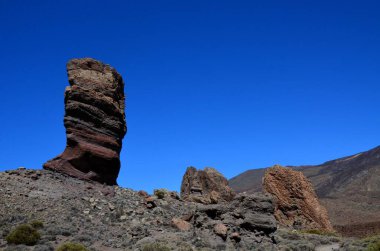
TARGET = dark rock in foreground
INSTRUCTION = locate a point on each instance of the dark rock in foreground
(95, 122)
(206, 186)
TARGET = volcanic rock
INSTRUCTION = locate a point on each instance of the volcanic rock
(221, 230)
(206, 186)
(72, 213)
(94, 121)
(251, 216)
(181, 224)
(297, 204)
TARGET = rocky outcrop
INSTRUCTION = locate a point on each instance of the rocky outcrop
(344, 186)
(297, 204)
(94, 121)
(245, 220)
(115, 218)
(206, 186)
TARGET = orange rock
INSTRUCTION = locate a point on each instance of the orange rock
(297, 204)
(143, 194)
(181, 224)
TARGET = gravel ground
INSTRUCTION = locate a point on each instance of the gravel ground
(112, 218)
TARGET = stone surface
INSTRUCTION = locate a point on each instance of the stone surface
(221, 230)
(94, 121)
(181, 224)
(206, 186)
(297, 204)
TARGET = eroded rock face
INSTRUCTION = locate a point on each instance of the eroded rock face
(245, 219)
(297, 204)
(94, 121)
(206, 186)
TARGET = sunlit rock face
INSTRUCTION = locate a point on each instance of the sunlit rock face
(296, 204)
(206, 186)
(94, 121)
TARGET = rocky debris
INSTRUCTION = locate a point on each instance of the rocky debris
(79, 211)
(143, 194)
(297, 204)
(181, 224)
(221, 230)
(150, 202)
(94, 121)
(206, 186)
(247, 220)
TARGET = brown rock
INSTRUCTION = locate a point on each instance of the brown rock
(181, 224)
(296, 204)
(143, 194)
(221, 230)
(150, 202)
(235, 236)
(205, 186)
(95, 122)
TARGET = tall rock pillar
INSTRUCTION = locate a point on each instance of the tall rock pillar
(94, 121)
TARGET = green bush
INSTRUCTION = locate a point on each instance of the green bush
(319, 232)
(160, 193)
(69, 246)
(155, 247)
(23, 234)
(374, 246)
(373, 243)
(37, 224)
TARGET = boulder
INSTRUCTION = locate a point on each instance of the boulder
(94, 121)
(206, 186)
(296, 204)
(181, 224)
(251, 216)
(221, 230)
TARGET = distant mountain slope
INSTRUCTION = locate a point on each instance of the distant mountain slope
(348, 187)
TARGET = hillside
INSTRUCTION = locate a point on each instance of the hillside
(111, 218)
(348, 186)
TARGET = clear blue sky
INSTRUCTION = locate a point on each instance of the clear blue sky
(231, 84)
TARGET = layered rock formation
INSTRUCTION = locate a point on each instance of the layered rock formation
(94, 121)
(297, 204)
(206, 186)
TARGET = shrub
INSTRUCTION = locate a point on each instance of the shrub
(374, 246)
(23, 234)
(373, 243)
(37, 224)
(319, 232)
(69, 246)
(155, 247)
(160, 193)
